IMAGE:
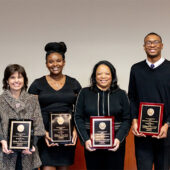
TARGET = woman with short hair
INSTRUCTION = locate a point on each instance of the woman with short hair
(17, 104)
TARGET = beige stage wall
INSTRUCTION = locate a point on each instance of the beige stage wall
(92, 29)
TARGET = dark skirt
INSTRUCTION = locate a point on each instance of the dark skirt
(57, 155)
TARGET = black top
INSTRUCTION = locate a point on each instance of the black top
(99, 103)
(150, 85)
(52, 100)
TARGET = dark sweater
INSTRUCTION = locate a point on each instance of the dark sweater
(95, 103)
(150, 85)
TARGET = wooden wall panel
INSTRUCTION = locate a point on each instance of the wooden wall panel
(79, 163)
(130, 162)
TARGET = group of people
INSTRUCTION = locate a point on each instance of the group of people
(59, 93)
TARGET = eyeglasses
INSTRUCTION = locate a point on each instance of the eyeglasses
(149, 43)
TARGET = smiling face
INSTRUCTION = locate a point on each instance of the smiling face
(55, 63)
(103, 77)
(16, 82)
(153, 46)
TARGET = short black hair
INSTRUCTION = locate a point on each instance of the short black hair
(53, 47)
(113, 72)
(11, 69)
(153, 33)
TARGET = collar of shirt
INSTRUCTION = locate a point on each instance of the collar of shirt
(156, 64)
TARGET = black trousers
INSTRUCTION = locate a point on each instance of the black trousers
(149, 151)
(102, 159)
(18, 165)
(167, 152)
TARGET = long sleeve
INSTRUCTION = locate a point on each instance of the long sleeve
(37, 120)
(3, 116)
(80, 117)
(125, 116)
(1, 132)
(132, 94)
(76, 89)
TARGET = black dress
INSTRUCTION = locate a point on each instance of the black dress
(51, 100)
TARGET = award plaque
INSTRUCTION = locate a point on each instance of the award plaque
(102, 131)
(60, 127)
(20, 134)
(150, 118)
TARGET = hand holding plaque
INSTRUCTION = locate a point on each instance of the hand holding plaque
(150, 118)
(20, 134)
(60, 127)
(102, 131)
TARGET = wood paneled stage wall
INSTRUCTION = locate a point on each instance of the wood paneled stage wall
(130, 162)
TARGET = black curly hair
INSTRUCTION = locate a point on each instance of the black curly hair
(53, 47)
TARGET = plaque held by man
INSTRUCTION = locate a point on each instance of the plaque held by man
(20, 134)
(150, 118)
(102, 131)
(61, 128)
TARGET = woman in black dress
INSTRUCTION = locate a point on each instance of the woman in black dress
(57, 93)
(103, 98)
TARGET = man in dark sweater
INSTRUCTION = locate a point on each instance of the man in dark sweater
(150, 83)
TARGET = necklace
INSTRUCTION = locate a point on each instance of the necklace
(56, 84)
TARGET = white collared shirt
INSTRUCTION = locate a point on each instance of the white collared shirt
(156, 64)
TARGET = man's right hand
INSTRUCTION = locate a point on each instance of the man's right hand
(88, 146)
(135, 127)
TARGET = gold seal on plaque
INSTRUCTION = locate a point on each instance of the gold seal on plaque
(150, 112)
(102, 125)
(20, 128)
(60, 120)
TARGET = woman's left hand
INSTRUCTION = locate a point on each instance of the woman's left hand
(116, 145)
(28, 151)
(74, 138)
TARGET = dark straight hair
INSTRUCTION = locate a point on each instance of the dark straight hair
(93, 82)
(11, 69)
